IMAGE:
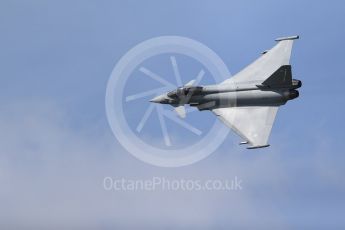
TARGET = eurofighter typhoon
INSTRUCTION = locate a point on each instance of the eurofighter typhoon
(247, 102)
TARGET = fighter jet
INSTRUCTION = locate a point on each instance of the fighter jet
(247, 102)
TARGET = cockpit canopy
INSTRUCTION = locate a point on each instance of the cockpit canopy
(184, 91)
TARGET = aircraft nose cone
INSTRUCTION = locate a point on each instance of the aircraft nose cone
(157, 99)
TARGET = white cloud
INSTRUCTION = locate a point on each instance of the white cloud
(51, 176)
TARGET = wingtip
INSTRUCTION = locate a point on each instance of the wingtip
(287, 38)
(257, 146)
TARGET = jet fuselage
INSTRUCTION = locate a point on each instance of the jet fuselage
(216, 96)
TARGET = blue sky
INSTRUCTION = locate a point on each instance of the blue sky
(56, 145)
